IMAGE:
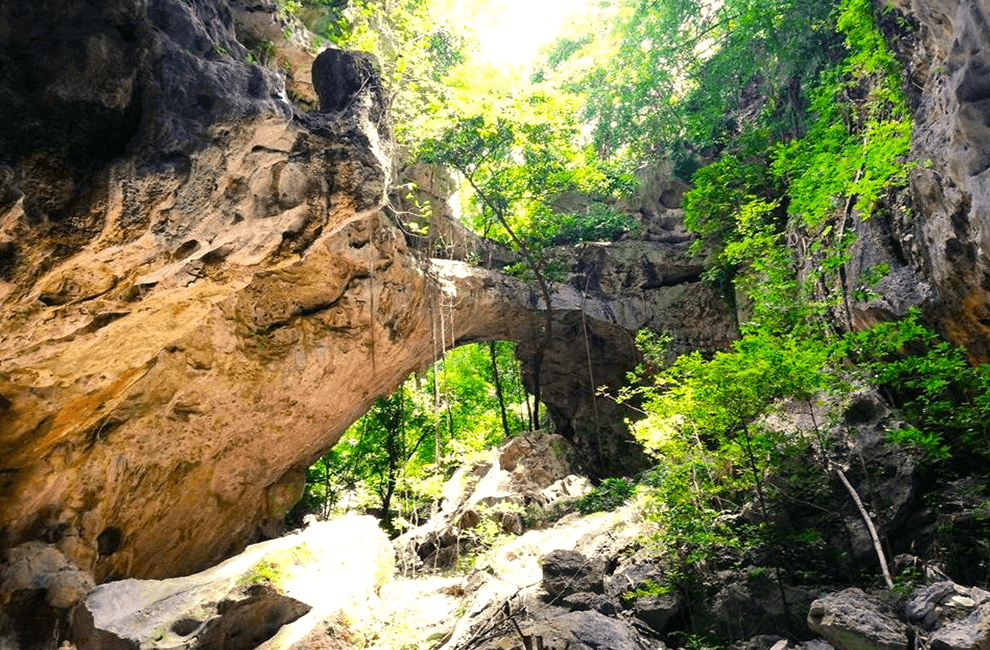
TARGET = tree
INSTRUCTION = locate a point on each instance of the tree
(671, 76)
(399, 448)
(517, 159)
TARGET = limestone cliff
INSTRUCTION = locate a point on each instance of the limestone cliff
(946, 236)
(199, 290)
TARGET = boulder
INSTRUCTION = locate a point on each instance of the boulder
(969, 633)
(512, 576)
(748, 603)
(571, 486)
(244, 618)
(339, 77)
(588, 630)
(42, 567)
(817, 644)
(39, 587)
(568, 572)
(273, 590)
(584, 600)
(853, 620)
(920, 607)
(637, 573)
(943, 602)
(761, 642)
(656, 611)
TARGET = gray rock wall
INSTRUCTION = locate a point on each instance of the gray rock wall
(948, 235)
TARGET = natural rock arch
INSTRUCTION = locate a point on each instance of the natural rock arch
(188, 327)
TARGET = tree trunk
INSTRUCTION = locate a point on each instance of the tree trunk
(394, 443)
(869, 526)
(541, 280)
(498, 387)
(326, 489)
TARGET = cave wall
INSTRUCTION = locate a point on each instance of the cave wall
(186, 316)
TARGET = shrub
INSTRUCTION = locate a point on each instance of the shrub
(612, 493)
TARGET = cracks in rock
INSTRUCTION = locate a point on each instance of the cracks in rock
(656, 280)
(960, 216)
(296, 314)
(102, 430)
(888, 231)
(298, 243)
(98, 322)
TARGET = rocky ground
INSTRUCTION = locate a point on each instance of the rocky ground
(507, 562)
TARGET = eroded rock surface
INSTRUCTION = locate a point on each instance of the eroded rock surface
(131, 343)
(568, 572)
(39, 587)
(946, 236)
(194, 311)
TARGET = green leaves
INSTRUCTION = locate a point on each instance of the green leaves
(703, 426)
(851, 160)
(945, 401)
(668, 72)
(519, 160)
(611, 494)
(392, 451)
(862, 143)
(713, 399)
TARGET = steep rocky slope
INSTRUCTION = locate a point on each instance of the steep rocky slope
(200, 290)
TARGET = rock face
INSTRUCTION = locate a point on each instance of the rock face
(199, 290)
(947, 58)
(39, 588)
(942, 616)
(934, 240)
(852, 620)
(569, 572)
(613, 290)
(340, 77)
(138, 315)
(274, 38)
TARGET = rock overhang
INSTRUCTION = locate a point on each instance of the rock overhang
(189, 326)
